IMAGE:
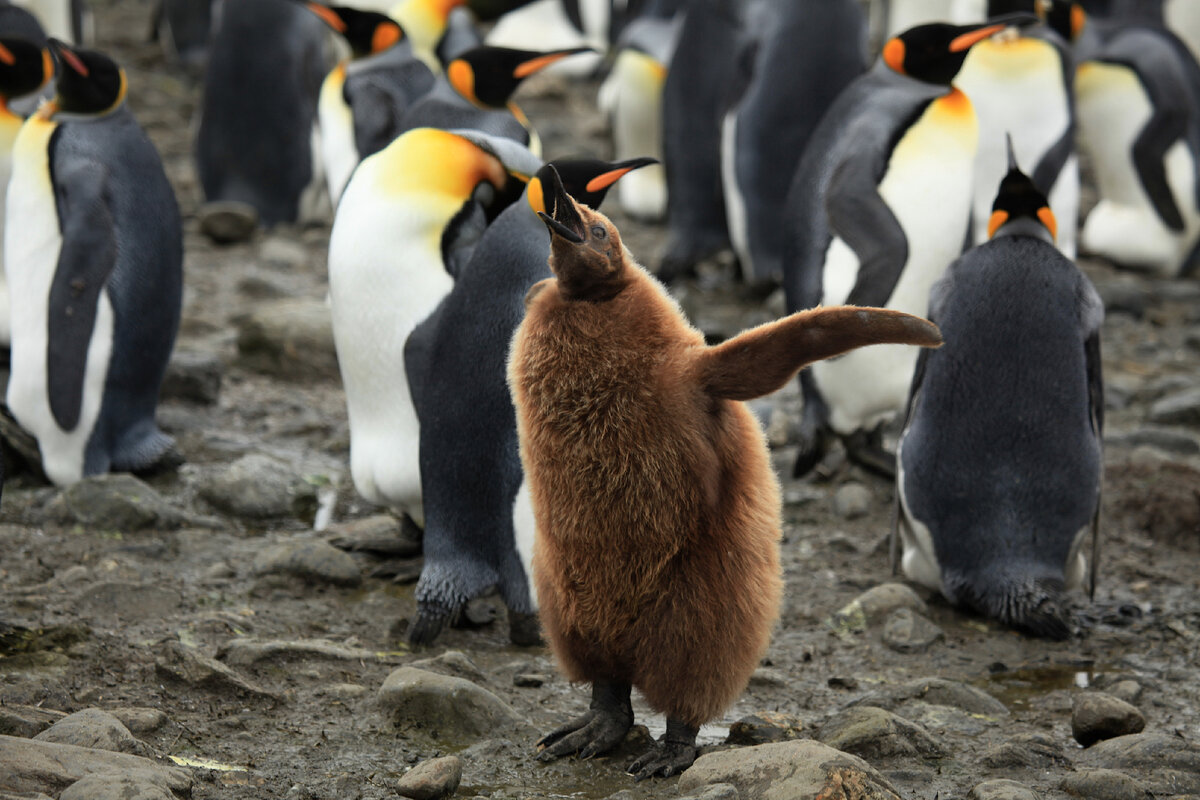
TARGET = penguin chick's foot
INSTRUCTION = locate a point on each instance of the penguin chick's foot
(601, 729)
(674, 752)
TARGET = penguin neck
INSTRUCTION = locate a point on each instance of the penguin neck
(1024, 226)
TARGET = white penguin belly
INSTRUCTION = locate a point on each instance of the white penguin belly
(10, 125)
(31, 260)
(632, 95)
(928, 187)
(385, 276)
(1016, 87)
(735, 204)
(918, 558)
(339, 151)
(524, 533)
(1112, 110)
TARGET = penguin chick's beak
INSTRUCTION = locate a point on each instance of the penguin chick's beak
(565, 221)
(67, 57)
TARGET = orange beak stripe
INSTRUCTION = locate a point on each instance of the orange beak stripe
(527, 68)
(997, 219)
(73, 61)
(607, 179)
(893, 55)
(968, 40)
(1047, 217)
(6, 56)
(327, 14)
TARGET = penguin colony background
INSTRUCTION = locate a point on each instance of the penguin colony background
(532, 398)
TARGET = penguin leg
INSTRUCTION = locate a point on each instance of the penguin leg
(673, 753)
(865, 448)
(602, 728)
(814, 433)
(1163, 129)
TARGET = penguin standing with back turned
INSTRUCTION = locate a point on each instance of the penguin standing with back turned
(999, 463)
(95, 276)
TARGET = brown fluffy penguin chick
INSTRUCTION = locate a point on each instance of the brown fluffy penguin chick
(656, 559)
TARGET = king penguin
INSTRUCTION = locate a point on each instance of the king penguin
(999, 463)
(406, 225)
(424, 22)
(255, 142)
(478, 514)
(95, 277)
(363, 99)
(1138, 93)
(878, 207)
(802, 56)
(25, 67)
(1022, 83)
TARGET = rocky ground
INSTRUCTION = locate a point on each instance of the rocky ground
(236, 629)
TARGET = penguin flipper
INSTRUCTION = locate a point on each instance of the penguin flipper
(861, 217)
(376, 121)
(1046, 173)
(85, 262)
(1165, 127)
(760, 360)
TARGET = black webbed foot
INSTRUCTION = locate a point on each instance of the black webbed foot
(674, 752)
(602, 728)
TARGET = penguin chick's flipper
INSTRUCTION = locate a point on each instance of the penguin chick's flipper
(1163, 129)
(760, 360)
(674, 752)
(602, 728)
(863, 220)
(86, 260)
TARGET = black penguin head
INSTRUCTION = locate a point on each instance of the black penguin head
(1020, 208)
(89, 82)
(934, 53)
(367, 32)
(586, 255)
(585, 179)
(24, 67)
(1066, 18)
(488, 76)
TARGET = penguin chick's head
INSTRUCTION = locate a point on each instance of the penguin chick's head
(488, 76)
(1019, 207)
(934, 53)
(586, 255)
(367, 32)
(24, 67)
(89, 82)
(585, 179)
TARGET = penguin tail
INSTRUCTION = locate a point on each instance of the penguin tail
(1034, 605)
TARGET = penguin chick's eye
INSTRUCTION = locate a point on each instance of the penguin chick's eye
(599, 232)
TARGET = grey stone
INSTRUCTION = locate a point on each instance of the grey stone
(852, 500)
(37, 766)
(91, 727)
(936, 691)
(874, 605)
(381, 534)
(909, 632)
(797, 770)
(1104, 784)
(179, 662)
(1100, 716)
(281, 253)
(454, 663)
(114, 502)
(193, 376)
(310, 559)
(1151, 750)
(228, 221)
(1178, 408)
(139, 720)
(290, 339)
(765, 727)
(26, 721)
(1002, 789)
(935, 718)
(1123, 293)
(717, 791)
(1169, 440)
(431, 780)
(258, 486)
(129, 601)
(1127, 690)
(529, 680)
(872, 733)
(444, 708)
(244, 651)
(1033, 751)
(768, 678)
(116, 787)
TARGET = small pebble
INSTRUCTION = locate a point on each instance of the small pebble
(1098, 716)
(852, 500)
(433, 779)
(909, 632)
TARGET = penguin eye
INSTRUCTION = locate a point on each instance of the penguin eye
(599, 232)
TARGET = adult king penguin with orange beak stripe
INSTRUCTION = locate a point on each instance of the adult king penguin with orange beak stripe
(95, 276)
(999, 464)
(880, 204)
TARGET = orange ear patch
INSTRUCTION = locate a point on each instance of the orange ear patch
(462, 78)
(1047, 218)
(536, 196)
(384, 37)
(997, 219)
(893, 55)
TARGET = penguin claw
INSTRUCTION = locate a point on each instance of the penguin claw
(665, 760)
(593, 734)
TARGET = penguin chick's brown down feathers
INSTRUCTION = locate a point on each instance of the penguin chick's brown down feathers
(658, 513)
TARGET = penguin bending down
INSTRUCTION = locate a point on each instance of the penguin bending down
(424, 22)
(1022, 84)
(1138, 93)
(95, 277)
(405, 227)
(999, 464)
(879, 205)
(478, 520)
(363, 100)
(658, 513)
(25, 67)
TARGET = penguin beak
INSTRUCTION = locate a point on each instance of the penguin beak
(68, 57)
(968, 40)
(607, 179)
(527, 68)
(565, 221)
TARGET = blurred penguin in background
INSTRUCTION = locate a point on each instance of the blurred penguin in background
(1138, 104)
(257, 150)
(799, 58)
(999, 464)
(1021, 84)
(879, 206)
(182, 27)
(559, 25)
(425, 23)
(20, 23)
(66, 20)
(900, 15)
